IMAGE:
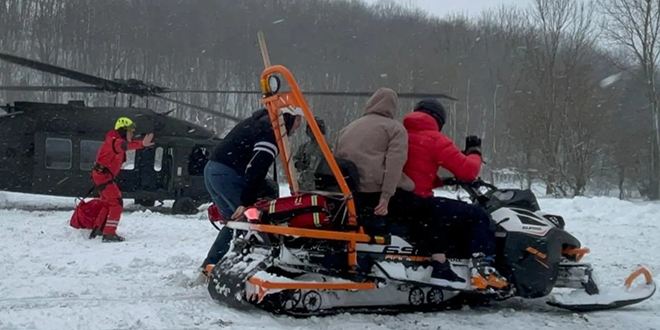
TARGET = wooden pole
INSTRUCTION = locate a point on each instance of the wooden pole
(286, 153)
(264, 50)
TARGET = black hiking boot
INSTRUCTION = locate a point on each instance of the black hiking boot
(110, 238)
(443, 275)
(95, 232)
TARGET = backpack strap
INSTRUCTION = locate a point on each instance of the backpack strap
(102, 169)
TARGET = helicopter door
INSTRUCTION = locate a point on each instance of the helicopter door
(163, 166)
(55, 166)
(146, 168)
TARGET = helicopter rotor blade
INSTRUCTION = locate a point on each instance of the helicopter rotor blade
(92, 89)
(315, 93)
(68, 73)
(369, 94)
(202, 109)
(139, 88)
(56, 89)
(208, 91)
(127, 86)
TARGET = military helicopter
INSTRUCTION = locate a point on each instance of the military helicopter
(50, 148)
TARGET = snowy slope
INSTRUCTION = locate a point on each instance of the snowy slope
(53, 277)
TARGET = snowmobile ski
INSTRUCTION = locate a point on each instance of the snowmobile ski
(611, 298)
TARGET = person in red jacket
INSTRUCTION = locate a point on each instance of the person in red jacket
(109, 160)
(428, 151)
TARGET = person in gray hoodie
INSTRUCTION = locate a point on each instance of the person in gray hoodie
(378, 145)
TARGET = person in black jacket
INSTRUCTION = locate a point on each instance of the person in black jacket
(237, 169)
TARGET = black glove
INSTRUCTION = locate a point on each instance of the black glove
(472, 145)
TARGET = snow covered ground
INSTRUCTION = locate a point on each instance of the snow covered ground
(53, 277)
(31, 202)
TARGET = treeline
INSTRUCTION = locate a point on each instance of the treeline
(529, 80)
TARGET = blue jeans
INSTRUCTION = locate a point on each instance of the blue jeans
(225, 187)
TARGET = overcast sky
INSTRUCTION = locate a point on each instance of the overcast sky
(470, 7)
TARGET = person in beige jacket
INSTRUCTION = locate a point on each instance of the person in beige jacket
(378, 145)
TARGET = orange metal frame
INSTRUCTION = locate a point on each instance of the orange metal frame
(274, 102)
(268, 285)
(301, 232)
(263, 286)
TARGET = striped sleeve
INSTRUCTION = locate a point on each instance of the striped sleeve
(265, 146)
(263, 155)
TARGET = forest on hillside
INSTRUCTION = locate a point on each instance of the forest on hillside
(561, 91)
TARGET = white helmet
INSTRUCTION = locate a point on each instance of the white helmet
(294, 111)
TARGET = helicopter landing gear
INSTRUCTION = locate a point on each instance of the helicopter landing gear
(145, 202)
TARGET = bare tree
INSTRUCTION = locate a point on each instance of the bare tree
(635, 25)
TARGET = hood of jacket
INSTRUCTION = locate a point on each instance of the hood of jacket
(420, 121)
(382, 103)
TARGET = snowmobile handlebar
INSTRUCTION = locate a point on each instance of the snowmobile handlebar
(478, 183)
(472, 187)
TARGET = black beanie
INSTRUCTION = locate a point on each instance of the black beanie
(320, 122)
(433, 108)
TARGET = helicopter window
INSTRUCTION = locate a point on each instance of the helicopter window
(59, 153)
(129, 164)
(158, 159)
(88, 150)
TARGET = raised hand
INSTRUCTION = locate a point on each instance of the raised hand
(147, 141)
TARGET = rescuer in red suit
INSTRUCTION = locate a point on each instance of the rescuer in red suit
(109, 159)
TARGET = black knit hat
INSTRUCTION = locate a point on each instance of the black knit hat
(433, 108)
(319, 122)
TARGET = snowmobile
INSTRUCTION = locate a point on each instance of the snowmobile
(308, 254)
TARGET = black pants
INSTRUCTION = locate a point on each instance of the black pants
(405, 208)
(439, 225)
(464, 227)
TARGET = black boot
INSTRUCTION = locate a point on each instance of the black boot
(95, 232)
(443, 275)
(110, 238)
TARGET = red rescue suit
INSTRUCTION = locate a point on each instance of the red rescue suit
(109, 159)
